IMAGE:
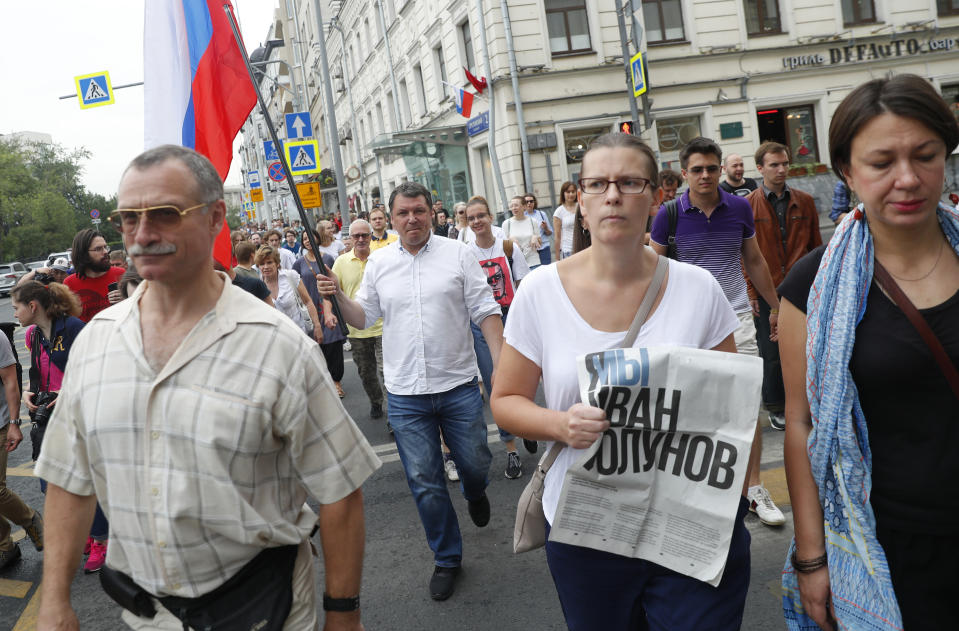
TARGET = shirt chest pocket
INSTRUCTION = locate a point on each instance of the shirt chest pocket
(221, 420)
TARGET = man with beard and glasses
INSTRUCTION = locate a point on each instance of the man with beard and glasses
(92, 274)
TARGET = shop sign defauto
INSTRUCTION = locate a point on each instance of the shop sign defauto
(855, 53)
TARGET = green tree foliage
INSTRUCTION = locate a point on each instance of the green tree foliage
(43, 202)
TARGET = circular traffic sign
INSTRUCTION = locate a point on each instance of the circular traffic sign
(276, 172)
(95, 213)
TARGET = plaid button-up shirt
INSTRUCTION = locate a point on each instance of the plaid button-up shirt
(203, 465)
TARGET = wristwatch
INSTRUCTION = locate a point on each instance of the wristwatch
(16, 421)
(340, 604)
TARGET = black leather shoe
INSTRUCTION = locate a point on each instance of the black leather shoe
(443, 582)
(479, 510)
(376, 411)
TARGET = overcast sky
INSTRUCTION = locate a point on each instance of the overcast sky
(47, 44)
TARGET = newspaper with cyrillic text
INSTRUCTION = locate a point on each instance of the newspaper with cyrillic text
(663, 482)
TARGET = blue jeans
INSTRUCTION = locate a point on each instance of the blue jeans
(545, 256)
(601, 590)
(485, 362)
(417, 420)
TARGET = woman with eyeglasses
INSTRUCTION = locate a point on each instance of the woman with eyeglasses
(331, 337)
(287, 290)
(564, 219)
(587, 302)
(459, 220)
(522, 230)
(543, 228)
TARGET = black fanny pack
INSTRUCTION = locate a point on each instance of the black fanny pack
(259, 596)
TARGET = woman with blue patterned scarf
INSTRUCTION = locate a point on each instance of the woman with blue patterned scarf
(872, 425)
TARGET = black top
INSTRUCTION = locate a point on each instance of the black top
(253, 285)
(911, 413)
(748, 186)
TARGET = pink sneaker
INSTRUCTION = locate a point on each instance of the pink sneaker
(98, 555)
(86, 546)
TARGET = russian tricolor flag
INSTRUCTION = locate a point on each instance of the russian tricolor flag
(197, 92)
(464, 101)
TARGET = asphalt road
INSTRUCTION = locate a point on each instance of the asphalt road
(497, 591)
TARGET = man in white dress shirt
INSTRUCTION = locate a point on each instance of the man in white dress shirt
(430, 373)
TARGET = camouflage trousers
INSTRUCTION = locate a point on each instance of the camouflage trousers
(368, 357)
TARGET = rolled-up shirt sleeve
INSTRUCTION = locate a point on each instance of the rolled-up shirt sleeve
(477, 293)
(367, 296)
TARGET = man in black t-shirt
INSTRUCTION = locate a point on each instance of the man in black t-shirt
(735, 183)
(253, 285)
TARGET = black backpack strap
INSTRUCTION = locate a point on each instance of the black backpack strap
(672, 214)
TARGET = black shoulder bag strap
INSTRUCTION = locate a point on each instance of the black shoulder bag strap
(672, 213)
(35, 384)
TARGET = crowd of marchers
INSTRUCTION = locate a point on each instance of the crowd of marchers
(153, 431)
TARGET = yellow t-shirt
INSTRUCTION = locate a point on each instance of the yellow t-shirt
(349, 271)
(376, 244)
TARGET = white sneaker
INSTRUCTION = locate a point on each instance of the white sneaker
(451, 473)
(761, 504)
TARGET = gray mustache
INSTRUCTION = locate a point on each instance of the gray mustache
(161, 248)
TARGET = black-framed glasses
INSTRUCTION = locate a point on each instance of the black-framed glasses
(712, 169)
(126, 220)
(626, 185)
(530, 201)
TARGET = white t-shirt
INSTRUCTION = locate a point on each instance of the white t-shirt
(521, 232)
(493, 261)
(568, 219)
(544, 326)
(467, 236)
(334, 249)
(287, 283)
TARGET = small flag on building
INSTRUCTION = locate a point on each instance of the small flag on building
(479, 84)
(464, 101)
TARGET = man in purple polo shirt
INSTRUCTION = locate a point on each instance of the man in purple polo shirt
(715, 231)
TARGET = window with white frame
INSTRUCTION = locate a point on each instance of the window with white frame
(379, 118)
(405, 110)
(420, 89)
(858, 12)
(392, 112)
(575, 144)
(762, 17)
(673, 134)
(947, 7)
(439, 65)
(466, 41)
(664, 21)
(567, 25)
(369, 125)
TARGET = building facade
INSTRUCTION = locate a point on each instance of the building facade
(739, 71)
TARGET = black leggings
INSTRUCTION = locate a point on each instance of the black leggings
(333, 352)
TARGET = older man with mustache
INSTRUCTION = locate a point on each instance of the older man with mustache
(202, 458)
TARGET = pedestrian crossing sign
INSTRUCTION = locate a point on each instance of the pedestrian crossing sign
(94, 90)
(639, 74)
(303, 156)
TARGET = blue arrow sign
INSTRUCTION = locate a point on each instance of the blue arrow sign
(253, 177)
(299, 125)
(270, 150)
